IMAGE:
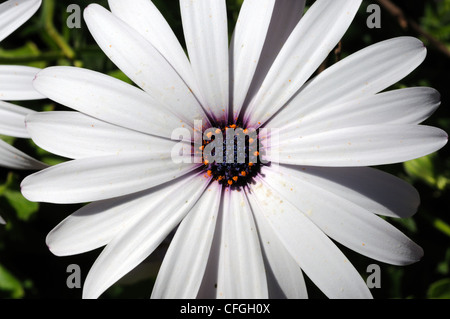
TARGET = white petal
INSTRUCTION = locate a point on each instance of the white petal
(372, 189)
(99, 178)
(13, 158)
(361, 146)
(140, 238)
(361, 74)
(405, 106)
(12, 120)
(182, 271)
(96, 224)
(142, 63)
(284, 276)
(14, 13)
(246, 47)
(144, 17)
(75, 135)
(205, 25)
(344, 221)
(285, 17)
(315, 36)
(208, 287)
(241, 273)
(2, 221)
(16, 83)
(106, 98)
(314, 252)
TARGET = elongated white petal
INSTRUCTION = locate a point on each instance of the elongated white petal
(208, 287)
(314, 252)
(107, 98)
(13, 158)
(16, 83)
(361, 74)
(75, 135)
(98, 178)
(2, 221)
(246, 47)
(14, 13)
(96, 224)
(361, 146)
(205, 25)
(284, 276)
(344, 221)
(315, 36)
(285, 17)
(405, 106)
(371, 189)
(145, 18)
(241, 273)
(12, 120)
(142, 63)
(182, 271)
(140, 238)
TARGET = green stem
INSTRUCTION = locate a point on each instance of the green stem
(42, 57)
(48, 12)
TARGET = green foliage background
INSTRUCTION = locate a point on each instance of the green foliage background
(27, 268)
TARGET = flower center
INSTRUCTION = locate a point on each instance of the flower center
(231, 155)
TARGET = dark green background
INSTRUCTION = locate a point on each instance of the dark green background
(29, 270)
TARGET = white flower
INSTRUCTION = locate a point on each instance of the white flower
(256, 240)
(16, 84)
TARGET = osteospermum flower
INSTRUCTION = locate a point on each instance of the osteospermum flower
(16, 84)
(248, 229)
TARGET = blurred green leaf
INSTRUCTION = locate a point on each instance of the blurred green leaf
(28, 54)
(8, 139)
(443, 267)
(424, 169)
(118, 74)
(439, 289)
(441, 226)
(436, 20)
(10, 284)
(24, 208)
(407, 223)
